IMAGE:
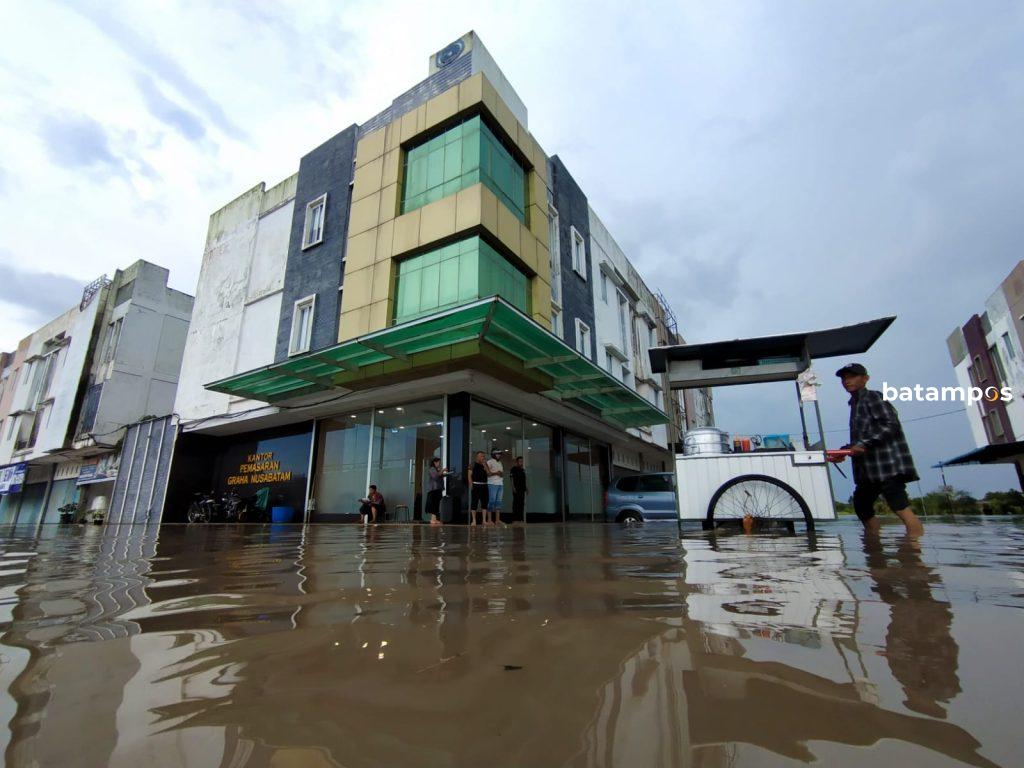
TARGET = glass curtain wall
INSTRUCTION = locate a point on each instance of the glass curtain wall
(586, 478)
(343, 448)
(464, 155)
(405, 439)
(513, 435)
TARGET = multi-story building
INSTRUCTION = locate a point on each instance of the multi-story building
(423, 286)
(72, 386)
(987, 352)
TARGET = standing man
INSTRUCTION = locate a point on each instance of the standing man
(882, 465)
(478, 495)
(519, 491)
(495, 486)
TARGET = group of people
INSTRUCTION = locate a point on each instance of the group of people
(487, 490)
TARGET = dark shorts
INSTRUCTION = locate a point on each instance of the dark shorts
(479, 497)
(893, 491)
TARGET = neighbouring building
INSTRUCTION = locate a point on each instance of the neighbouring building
(986, 352)
(72, 387)
(424, 286)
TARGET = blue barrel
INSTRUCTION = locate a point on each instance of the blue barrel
(282, 514)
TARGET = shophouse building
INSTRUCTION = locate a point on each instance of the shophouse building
(424, 286)
(70, 389)
(986, 352)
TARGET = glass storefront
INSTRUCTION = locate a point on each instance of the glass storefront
(388, 447)
(586, 478)
(514, 435)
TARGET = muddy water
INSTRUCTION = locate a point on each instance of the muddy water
(545, 646)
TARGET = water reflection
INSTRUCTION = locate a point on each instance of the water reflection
(545, 645)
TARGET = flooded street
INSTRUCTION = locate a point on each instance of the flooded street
(577, 645)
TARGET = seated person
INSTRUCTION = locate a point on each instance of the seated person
(370, 505)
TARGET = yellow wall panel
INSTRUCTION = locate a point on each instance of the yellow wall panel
(357, 288)
(408, 129)
(363, 214)
(388, 203)
(540, 162)
(366, 180)
(471, 91)
(385, 233)
(370, 147)
(441, 107)
(506, 119)
(407, 232)
(392, 134)
(437, 220)
(537, 192)
(508, 228)
(392, 170)
(538, 219)
(361, 250)
(467, 208)
(489, 209)
(381, 290)
(527, 247)
(354, 323)
(380, 315)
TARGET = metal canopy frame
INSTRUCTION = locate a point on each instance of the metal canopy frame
(563, 374)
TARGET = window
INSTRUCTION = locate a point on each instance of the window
(604, 287)
(629, 483)
(624, 339)
(555, 252)
(979, 370)
(579, 253)
(583, 339)
(313, 230)
(113, 336)
(556, 323)
(464, 155)
(656, 484)
(997, 364)
(608, 360)
(455, 274)
(1008, 346)
(10, 427)
(651, 341)
(993, 425)
(302, 325)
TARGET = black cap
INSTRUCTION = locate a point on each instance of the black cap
(852, 369)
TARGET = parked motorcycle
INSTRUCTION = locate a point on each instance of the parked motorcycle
(205, 508)
(226, 508)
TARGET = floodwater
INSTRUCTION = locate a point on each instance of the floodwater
(540, 646)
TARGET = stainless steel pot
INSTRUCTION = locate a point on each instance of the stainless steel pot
(705, 440)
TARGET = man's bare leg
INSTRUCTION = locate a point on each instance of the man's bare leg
(872, 526)
(912, 522)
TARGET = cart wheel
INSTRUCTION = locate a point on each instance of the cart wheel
(763, 498)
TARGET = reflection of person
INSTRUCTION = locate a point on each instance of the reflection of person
(882, 465)
(435, 488)
(370, 505)
(495, 486)
(921, 652)
(519, 490)
(478, 495)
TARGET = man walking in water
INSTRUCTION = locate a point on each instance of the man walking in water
(882, 465)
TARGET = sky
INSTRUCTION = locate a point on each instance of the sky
(770, 167)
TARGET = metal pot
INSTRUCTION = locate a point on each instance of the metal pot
(705, 440)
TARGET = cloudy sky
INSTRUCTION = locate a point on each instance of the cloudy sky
(771, 167)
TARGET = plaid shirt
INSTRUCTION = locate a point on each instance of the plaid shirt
(875, 424)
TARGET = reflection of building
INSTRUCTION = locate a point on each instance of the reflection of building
(423, 286)
(987, 353)
(73, 385)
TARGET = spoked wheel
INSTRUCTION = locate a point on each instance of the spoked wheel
(767, 500)
(196, 514)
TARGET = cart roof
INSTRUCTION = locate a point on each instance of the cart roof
(765, 358)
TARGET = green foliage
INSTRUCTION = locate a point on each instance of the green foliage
(948, 500)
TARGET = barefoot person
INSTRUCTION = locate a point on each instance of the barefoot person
(435, 490)
(478, 491)
(495, 486)
(882, 465)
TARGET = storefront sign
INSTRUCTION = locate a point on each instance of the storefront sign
(101, 470)
(259, 468)
(68, 470)
(12, 477)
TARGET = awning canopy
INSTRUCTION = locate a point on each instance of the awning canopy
(1001, 453)
(487, 333)
(762, 358)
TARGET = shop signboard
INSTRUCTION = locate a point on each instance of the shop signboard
(12, 477)
(100, 470)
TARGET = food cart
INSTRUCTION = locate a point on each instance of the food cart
(751, 481)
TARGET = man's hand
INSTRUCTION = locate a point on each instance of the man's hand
(858, 450)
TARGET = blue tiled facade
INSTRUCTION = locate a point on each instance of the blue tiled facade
(327, 169)
(577, 293)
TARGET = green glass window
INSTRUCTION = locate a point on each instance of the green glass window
(461, 157)
(459, 273)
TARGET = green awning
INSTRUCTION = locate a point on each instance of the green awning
(491, 329)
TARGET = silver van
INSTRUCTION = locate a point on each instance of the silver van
(640, 497)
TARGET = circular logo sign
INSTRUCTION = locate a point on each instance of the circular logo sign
(449, 54)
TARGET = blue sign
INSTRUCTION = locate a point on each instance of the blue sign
(12, 477)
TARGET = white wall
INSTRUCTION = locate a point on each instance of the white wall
(237, 307)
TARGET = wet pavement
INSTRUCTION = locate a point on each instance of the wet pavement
(540, 646)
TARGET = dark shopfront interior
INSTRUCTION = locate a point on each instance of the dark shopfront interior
(391, 447)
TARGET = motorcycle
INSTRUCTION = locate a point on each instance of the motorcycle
(205, 508)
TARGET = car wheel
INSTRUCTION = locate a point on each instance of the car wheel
(630, 518)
